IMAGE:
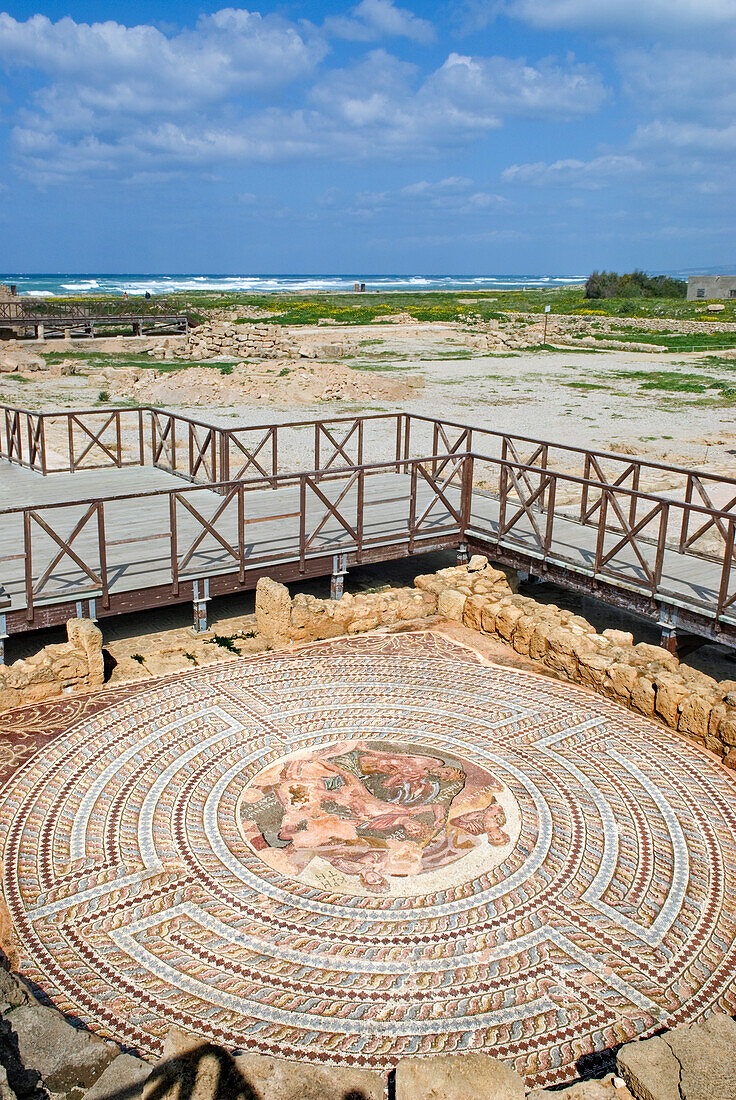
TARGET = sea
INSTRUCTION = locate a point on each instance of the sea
(61, 285)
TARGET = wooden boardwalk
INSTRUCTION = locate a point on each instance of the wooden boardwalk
(157, 509)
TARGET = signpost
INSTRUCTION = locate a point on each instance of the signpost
(546, 314)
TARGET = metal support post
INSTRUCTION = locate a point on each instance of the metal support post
(668, 628)
(199, 603)
(462, 554)
(337, 581)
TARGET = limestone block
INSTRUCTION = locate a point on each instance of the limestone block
(643, 696)
(619, 637)
(84, 636)
(727, 731)
(670, 693)
(693, 1062)
(522, 635)
(459, 1077)
(124, 1077)
(473, 610)
(539, 641)
(450, 604)
(506, 620)
(279, 1079)
(648, 652)
(273, 611)
(489, 612)
(562, 640)
(695, 714)
(620, 681)
(592, 667)
(66, 1057)
(477, 563)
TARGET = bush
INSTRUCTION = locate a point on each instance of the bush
(636, 284)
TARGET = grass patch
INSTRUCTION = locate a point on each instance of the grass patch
(681, 341)
(224, 641)
(681, 382)
(138, 658)
(585, 385)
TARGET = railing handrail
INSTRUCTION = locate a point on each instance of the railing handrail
(228, 431)
(334, 473)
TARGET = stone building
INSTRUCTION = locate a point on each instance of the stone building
(711, 286)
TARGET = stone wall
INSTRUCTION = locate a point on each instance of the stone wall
(221, 339)
(69, 666)
(282, 620)
(645, 678)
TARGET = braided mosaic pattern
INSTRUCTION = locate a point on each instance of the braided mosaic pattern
(365, 849)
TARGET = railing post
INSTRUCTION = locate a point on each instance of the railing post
(275, 453)
(686, 513)
(316, 445)
(550, 492)
(241, 530)
(174, 547)
(466, 499)
(28, 563)
(664, 519)
(141, 443)
(412, 506)
(584, 492)
(600, 540)
(103, 551)
(634, 498)
(360, 513)
(302, 522)
(726, 570)
(70, 428)
(407, 438)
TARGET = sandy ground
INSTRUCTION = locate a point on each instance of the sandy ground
(585, 399)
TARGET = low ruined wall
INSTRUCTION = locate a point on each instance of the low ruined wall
(69, 666)
(645, 678)
(282, 620)
(216, 339)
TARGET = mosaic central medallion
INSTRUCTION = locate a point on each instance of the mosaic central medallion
(368, 817)
(367, 849)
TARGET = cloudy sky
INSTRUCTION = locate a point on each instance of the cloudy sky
(465, 137)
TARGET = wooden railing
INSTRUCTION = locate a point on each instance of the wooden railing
(615, 519)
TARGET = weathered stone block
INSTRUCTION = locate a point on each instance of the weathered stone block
(123, 1078)
(66, 1057)
(273, 611)
(459, 1077)
(450, 604)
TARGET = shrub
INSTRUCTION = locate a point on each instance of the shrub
(635, 284)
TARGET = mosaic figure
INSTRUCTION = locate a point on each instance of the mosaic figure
(370, 809)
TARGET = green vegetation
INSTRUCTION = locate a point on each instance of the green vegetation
(678, 382)
(679, 341)
(224, 641)
(636, 284)
(655, 299)
(103, 397)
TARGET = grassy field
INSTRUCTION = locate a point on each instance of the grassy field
(357, 309)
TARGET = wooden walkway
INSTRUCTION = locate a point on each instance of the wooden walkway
(156, 508)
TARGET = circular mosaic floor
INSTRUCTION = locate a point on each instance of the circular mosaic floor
(368, 849)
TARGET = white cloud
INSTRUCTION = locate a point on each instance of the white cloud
(663, 18)
(110, 67)
(670, 135)
(485, 88)
(375, 19)
(119, 101)
(675, 81)
(591, 174)
(454, 195)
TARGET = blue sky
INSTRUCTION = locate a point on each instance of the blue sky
(473, 137)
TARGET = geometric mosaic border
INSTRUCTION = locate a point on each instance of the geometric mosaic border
(141, 903)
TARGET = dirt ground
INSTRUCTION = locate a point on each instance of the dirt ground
(668, 406)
